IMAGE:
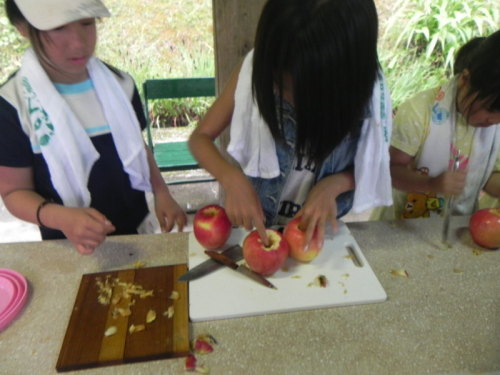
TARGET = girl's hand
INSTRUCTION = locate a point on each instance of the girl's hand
(321, 206)
(85, 228)
(242, 204)
(448, 183)
(168, 211)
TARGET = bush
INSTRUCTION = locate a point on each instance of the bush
(173, 38)
(422, 37)
(12, 46)
(178, 112)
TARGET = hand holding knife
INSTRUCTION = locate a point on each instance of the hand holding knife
(223, 259)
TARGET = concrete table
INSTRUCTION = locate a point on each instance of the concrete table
(442, 319)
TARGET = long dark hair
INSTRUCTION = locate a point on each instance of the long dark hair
(329, 49)
(484, 71)
(464, 53)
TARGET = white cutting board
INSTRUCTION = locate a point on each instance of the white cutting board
(225, 293)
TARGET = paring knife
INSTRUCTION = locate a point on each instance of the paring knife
(234, 252)
(223, 259)
(449, 207)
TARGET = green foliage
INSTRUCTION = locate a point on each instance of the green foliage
(148, 39)
(414, 74)
(174, 38)
(11, 46)
(159, 38)
(169, 39)
(178, 112)
(422, 37)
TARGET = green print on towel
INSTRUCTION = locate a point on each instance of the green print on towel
(44, 129)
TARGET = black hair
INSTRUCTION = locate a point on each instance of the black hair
(463, 55)
(13, 13)
(329, 49)
(484, 72)
(17, 18)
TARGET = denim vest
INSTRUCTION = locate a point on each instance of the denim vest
(340, 159)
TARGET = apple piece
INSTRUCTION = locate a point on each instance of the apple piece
(262, 259)
(295, 238)
(211, 226)
(190, 363)
(484, 227)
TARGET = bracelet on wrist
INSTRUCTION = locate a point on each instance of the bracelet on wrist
(40, 206)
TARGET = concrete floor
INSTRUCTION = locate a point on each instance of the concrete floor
(190, 197)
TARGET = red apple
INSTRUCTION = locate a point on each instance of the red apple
(295, 238)
(484, 227)
(211, 226)
(265, 260)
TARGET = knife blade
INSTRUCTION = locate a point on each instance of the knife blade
(449, 207)
(223, 259)
(204, 268)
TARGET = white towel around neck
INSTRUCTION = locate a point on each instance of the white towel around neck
(66, 147)
(252, 145)
(437, 150)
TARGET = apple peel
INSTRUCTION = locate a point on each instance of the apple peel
(400, 273)
(320, 281)
(136, 328)
(110, 331)
(151, 316)
(190, 363)
(169, 313)
(202, 345)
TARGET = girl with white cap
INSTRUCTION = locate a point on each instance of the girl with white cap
(72, 157)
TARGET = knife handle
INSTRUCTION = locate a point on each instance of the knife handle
(221, 259)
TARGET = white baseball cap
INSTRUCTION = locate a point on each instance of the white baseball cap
(50, 14)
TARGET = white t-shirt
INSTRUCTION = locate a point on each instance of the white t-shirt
(82, 99)
(299, 183)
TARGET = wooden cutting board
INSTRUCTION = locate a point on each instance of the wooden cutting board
(85, 344)
(227, 294)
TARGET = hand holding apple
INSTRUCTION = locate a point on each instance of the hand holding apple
(296, 237)
(484, 227)
(211, 226)
(262, 259)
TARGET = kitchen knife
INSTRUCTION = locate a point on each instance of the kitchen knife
(204, 268)
(449, 207)
(223, 259)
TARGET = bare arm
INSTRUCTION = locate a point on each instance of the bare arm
(86, 228)
(242, 203)
(406, 178)
(167, 209)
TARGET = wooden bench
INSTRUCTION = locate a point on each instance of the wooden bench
(175, 156)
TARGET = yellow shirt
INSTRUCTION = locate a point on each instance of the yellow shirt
(411, 128)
